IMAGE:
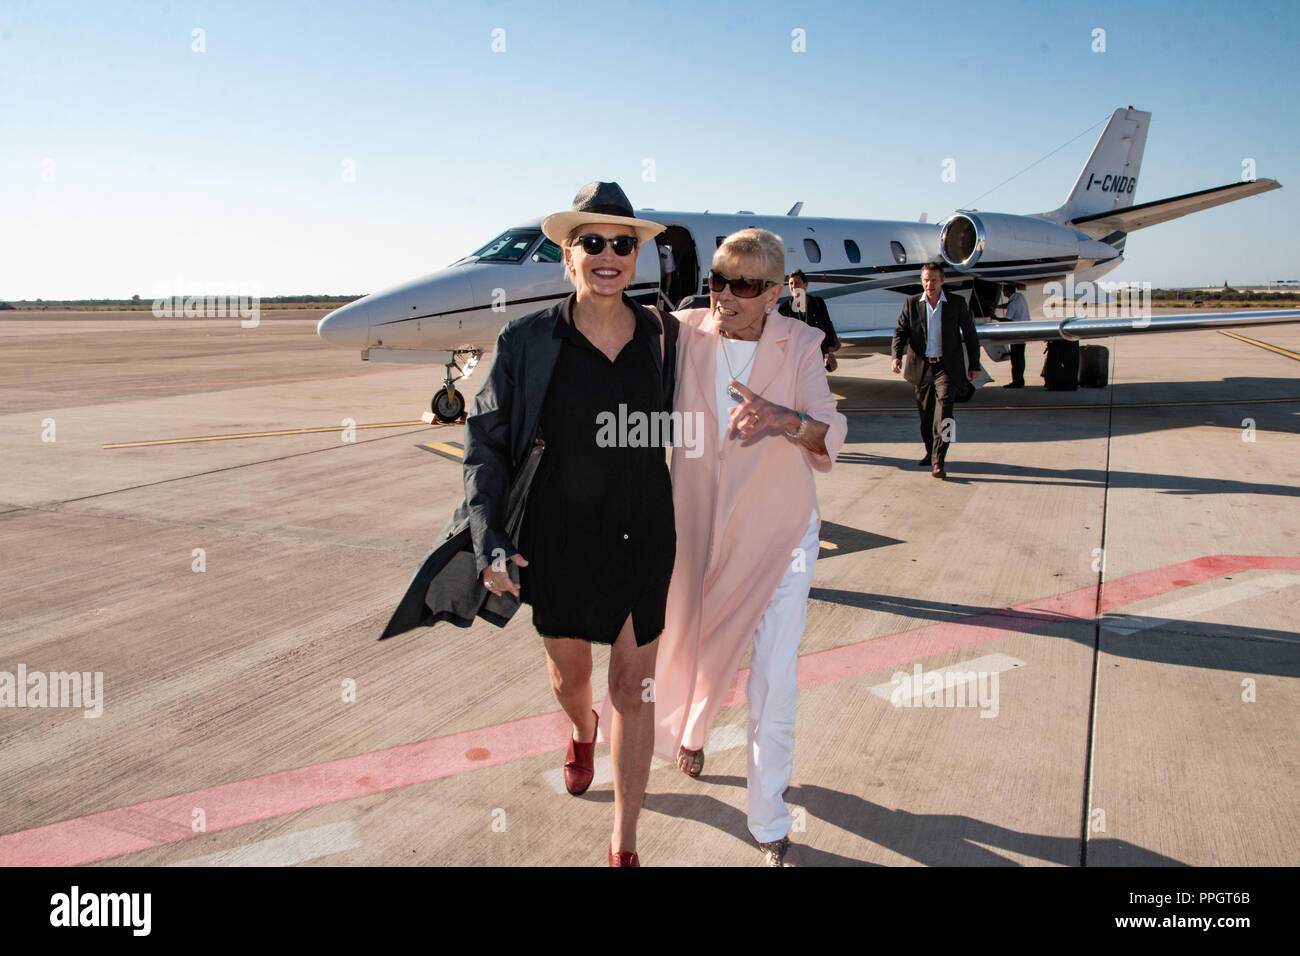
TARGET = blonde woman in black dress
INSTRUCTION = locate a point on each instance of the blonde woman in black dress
(595, 552)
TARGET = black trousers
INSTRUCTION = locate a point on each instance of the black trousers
(1018, 363)
(934, 405)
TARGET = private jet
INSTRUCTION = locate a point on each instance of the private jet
(862, 268)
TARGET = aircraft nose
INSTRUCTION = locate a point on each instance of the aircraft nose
(348, 326)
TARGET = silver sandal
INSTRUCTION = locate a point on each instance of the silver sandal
(780, 853)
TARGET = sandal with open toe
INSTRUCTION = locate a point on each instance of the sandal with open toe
(690, 762)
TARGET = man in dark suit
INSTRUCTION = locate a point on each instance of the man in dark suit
(931, 331)
(812, 310)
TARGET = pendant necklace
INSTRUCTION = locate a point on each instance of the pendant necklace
(731, 389)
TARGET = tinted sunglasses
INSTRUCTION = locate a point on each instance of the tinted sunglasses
(741, 287)
(594, 245)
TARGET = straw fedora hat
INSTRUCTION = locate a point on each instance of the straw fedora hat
(598, 203)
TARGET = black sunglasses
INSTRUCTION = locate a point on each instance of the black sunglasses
(741, 287)
(594, 245)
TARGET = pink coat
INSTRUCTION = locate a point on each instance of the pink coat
(741, 510)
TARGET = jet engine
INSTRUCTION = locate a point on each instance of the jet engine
(970, 242)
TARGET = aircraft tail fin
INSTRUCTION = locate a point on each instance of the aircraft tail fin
(1109, 177)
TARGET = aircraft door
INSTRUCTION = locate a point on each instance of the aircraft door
(984, 299)
(679, 267)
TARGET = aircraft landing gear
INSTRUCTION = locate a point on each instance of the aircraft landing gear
(448, 404)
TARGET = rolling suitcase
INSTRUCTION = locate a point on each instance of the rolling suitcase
(1094, 366)
(1061, 366)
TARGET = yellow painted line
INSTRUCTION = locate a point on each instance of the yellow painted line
(288, 431)
(826, 545)
(1263, 345)
(442, 448)
(899, 408)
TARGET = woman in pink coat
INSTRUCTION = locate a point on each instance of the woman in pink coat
(753, 383)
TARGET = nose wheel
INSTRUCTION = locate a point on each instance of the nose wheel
(448, 405)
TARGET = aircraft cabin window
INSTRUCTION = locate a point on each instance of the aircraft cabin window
(548, 252)
(900, 254)
(510, 246)
(813, 251)
(851, 248)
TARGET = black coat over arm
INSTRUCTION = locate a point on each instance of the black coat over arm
(499, 434)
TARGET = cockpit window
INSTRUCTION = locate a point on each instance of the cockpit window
(510, 246)
(548, 252)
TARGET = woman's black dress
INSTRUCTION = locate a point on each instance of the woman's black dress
(598, 531)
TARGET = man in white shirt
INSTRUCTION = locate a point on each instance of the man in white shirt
(1017, 311)
(933, 330)
(667, 266)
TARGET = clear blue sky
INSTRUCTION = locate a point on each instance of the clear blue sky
(225, 166)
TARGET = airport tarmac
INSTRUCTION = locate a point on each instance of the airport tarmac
(1125, 560)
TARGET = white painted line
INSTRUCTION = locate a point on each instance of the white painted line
(726, 737)
(1190, 608)
(285, 850)
(723, 737)
(911, 695)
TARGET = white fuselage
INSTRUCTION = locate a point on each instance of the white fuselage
(862, 268)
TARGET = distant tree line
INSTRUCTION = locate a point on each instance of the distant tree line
(136, 302)
(1226, 294)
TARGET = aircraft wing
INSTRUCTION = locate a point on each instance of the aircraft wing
(1099, 328)
(1162, 210)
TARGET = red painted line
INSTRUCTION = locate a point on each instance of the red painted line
(1146, 584)
(903, 648)
(98, 836)
(116, 832)
(896, 649)
(251, 381)
(851, 660)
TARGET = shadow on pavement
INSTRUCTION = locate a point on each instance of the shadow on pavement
(967, 472)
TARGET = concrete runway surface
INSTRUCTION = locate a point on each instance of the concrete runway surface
(228, 587)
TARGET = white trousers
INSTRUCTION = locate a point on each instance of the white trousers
(773, 692)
